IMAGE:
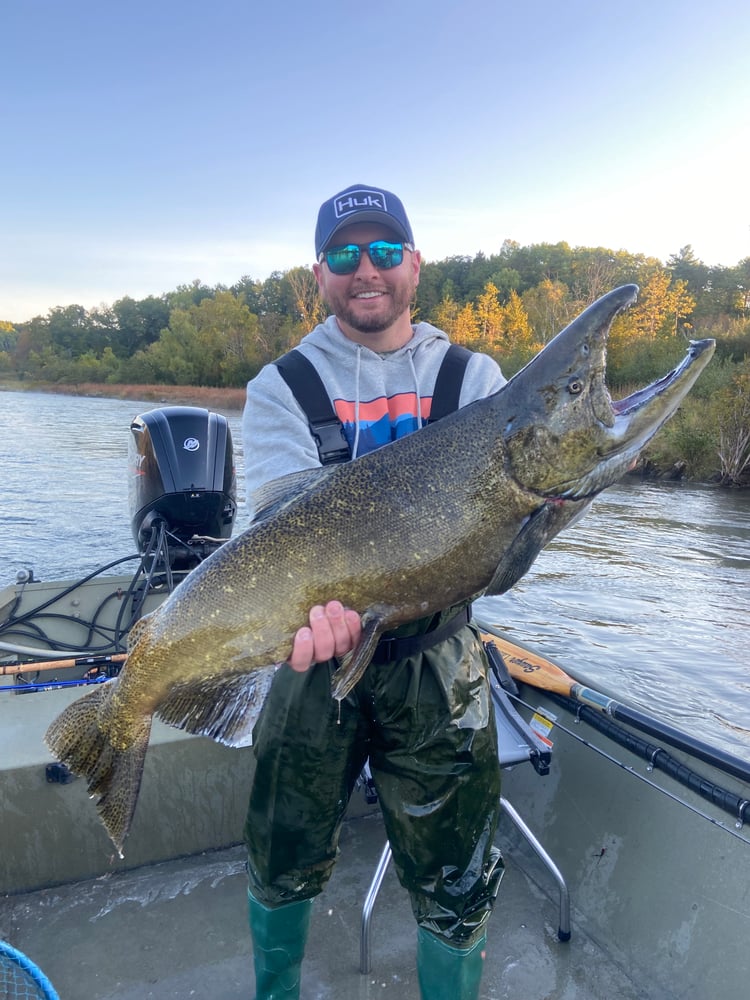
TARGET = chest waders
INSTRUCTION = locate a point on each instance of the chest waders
(423, 715)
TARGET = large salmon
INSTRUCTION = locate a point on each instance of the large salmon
(458, 510)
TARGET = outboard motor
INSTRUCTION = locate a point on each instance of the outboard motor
(182, 482)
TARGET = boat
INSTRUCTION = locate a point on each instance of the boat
(626, 841)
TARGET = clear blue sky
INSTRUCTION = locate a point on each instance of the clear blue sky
(149, 144)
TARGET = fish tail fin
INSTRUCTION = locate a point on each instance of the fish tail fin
(79, 739)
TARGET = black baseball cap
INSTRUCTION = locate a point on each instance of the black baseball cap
(360, 203)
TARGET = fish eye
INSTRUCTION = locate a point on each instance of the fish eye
(575, 386)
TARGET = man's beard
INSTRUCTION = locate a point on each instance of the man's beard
(398, 303)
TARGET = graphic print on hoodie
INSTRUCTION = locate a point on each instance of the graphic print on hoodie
(378, 398)
(379, 421)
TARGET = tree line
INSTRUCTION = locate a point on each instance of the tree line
(507, 304)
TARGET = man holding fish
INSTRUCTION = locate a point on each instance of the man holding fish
(408, 535)
(422, 712)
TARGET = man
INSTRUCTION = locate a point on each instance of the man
(422, 712)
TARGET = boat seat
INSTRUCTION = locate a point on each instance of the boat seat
(517, 743)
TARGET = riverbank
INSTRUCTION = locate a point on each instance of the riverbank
(222, 400)
(231, 402)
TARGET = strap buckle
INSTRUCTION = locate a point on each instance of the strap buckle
(331, 441)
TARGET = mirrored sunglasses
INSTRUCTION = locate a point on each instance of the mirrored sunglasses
(345, 259)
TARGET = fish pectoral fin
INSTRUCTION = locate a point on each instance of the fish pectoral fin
(225, 708)
(374, 622)
(537, 530)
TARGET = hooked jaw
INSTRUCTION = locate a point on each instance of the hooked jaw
(565, 437)
(637, 418)
(640, 415)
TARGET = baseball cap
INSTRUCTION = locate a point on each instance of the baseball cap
(360, 203)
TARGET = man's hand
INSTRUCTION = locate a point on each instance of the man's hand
(333, 631)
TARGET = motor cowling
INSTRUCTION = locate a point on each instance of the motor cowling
(181, 474)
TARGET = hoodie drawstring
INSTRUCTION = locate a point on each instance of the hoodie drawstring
(413, 368)
(358, 366)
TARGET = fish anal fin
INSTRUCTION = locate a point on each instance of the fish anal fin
(224, 708)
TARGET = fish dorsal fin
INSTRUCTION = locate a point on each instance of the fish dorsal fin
(273, 496)
(225, 708)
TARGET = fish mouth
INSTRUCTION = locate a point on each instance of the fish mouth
(640, 415)
(566, 438)
(637, 418)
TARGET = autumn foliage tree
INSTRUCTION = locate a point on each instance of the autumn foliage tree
(508, 304)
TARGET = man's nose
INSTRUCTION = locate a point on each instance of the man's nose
(365, 268)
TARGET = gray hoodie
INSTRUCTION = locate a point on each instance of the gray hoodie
(378, 398)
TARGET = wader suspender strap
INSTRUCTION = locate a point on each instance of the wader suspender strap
(390, 650)
(308, 389)
(448, 383)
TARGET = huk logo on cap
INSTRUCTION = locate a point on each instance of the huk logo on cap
(359, 201)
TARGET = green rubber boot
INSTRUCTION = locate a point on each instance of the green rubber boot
(447, 973)
(279, 937)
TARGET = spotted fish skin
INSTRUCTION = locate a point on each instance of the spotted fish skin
(458, 510)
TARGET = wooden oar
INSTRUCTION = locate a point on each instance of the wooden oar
(528, 667)
(80, 661)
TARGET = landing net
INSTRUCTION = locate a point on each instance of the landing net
(20, 979)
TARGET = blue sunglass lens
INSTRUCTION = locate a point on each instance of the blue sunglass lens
(385, 255)
(345, 259)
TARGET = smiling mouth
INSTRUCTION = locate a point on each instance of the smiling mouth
(369, 295)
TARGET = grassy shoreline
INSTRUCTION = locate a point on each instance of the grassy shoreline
(225, 401)
(231, 401)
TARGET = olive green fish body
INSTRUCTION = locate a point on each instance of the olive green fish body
(458, 510)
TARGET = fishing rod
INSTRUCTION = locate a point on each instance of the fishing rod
(54, 685)
(77, 661)
(537, 671)
(657, 757)
(738, 805)
(660, 759)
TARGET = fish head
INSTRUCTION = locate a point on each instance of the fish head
(564, 435)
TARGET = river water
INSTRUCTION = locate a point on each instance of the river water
(646, 597)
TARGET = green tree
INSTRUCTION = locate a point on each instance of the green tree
(69, 330)
(136, 324)
(685, 266)
(216, 342)
(548, 307)
(193, 294)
